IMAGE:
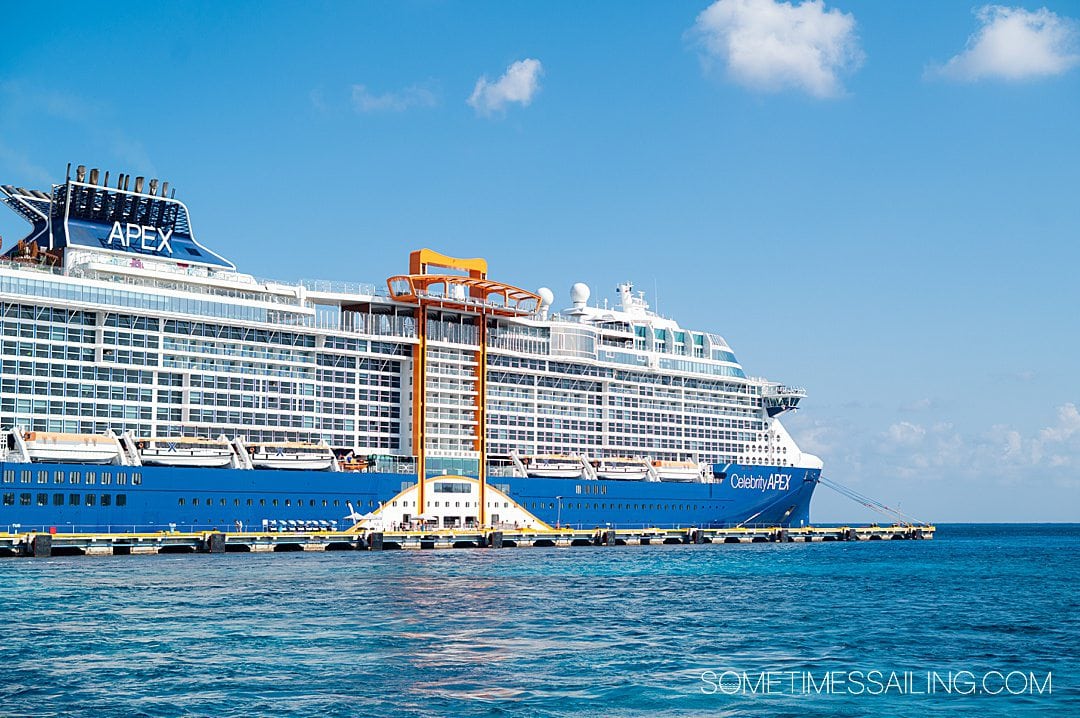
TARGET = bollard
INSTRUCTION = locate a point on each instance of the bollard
(41, 546)
(215, 543)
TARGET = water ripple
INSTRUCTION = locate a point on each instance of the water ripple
(539, 632)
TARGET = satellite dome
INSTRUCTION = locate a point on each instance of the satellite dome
(546, 296)
(579, 294)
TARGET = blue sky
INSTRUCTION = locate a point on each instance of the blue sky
(875, 200)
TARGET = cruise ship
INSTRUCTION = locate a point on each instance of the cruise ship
(147, 384)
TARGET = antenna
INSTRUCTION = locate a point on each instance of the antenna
(656, 297)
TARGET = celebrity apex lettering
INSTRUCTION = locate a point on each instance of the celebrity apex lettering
(150, 239)
(775, 482)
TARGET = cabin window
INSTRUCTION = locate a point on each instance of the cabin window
(91, 477)
(136, 478)
(577, 489)
(311, 503)
(9, 499)
(288, 502)
(42, 499)
(262, 502)
(58, 477)
(74, 477)
(221, 502)
(195, 501)
(121, 479)
(43, 477)
(324, 503)
(274, 502)
(74, 499)
(106, 500)
(236, 502)
(24, 476)
(24, 499)
(335, 502)
(121, 499)
(447, 487)
(180, 501)
(106, 478)
(91, 499)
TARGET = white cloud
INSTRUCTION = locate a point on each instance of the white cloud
(1015, 44)
(412, 96)
(769, 46)
(904, 433)
(519, 84)
(923, 404)
(1059, 445)
(1002, 452)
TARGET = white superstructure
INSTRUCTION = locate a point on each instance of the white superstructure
(96, 338)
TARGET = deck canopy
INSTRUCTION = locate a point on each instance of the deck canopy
(473, 291)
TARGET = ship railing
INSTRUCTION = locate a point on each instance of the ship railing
(30, 267)
(309, 525)
(782, 390)
(241, 286)
(377, 325)
(331, 286)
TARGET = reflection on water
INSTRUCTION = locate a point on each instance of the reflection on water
(590, 631)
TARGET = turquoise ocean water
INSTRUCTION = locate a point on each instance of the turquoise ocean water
(749, 630)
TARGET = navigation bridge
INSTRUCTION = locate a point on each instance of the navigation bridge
(779, 398)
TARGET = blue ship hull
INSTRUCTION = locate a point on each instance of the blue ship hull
(43, 496)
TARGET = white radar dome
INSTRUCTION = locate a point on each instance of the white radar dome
(579, 294)
(546, 296)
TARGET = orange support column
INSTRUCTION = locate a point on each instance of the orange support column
(481, 415)
(420, 406)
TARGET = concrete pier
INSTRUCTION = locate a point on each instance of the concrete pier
(42, 545)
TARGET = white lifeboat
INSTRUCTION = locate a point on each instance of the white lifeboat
(620, 469)
(684, 471)
(54, 447)
(552, 466)
(291, 455)
(184, 451)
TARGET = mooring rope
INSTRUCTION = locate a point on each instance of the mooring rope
(870, 503)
